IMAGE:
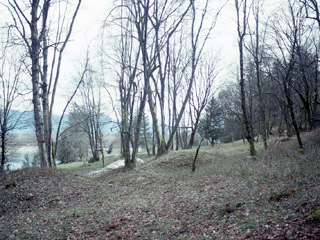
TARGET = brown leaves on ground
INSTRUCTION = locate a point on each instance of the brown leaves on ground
(227, 197)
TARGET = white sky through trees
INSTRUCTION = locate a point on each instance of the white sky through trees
(88, 25)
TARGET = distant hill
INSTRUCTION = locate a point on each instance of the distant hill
(26, 122)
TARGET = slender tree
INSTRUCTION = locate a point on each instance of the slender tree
(286, 60)
(242, 24)
(201, 94)
(11, 71)
(36, 31)
(257, 52)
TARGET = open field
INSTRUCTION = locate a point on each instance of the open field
(275, 195)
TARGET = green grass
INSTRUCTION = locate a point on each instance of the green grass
(85, 166)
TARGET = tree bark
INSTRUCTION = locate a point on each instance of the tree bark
(241, 34)
(145, 134)
(194, 130)
(35, 72)
(3, 149)
(259, 82)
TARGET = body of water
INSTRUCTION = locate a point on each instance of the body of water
(18, 156)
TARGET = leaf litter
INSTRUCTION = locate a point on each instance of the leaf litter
(274, 196)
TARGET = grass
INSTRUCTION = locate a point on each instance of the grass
(274, 195)
(85, 166)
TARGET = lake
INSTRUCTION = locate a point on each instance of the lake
(18, 156)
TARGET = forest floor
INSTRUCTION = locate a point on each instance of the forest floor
(275, 195)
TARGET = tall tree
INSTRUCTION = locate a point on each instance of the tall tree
(88, 113)
(132, 18)
(286, 60)
(199, 38)
(242, 24)
(201, 94)
(256, 49)
(45, 35)
(165, 18)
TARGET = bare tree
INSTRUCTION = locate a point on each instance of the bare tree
(142, 42)
(58, 133)
(286, 40)
(11, 70)
(256, 49)
(130, 85)
(45, 52)
(242, 24)
(89, 112)
(201, 94)
(165, 18)
(177, 68)
(149, 30)
(312, 10)
(199, 38)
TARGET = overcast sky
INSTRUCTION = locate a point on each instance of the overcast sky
(92, 14)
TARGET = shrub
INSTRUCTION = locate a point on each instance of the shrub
(92, 160)
(110, 148)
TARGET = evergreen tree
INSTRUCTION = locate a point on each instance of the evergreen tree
(211, 125)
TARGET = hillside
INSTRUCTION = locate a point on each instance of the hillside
(275, 195)
(26, 123)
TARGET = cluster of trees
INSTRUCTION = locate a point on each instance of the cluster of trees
(278, 78)
(41, 31)
(161, 65)
(160, 62)
(155, 64)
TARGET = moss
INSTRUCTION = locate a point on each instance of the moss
(315, 216)
(226, 210)
(276, 196)
(11, 184)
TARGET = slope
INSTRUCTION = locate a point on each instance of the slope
(275, 195)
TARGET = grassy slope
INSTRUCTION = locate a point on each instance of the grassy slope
(229, 196)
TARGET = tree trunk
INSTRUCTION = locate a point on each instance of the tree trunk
(194, 130)
(196, 156)
(45, 93)
(241, 34)
(35, 72)
(246, 121)
(3, 149)
(291, 111)
(138, 126)
(212, 141)
(259, 83)
(154, 118)
(145, 134)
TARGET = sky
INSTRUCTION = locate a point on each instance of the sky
(90, 19)
(93, 12)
